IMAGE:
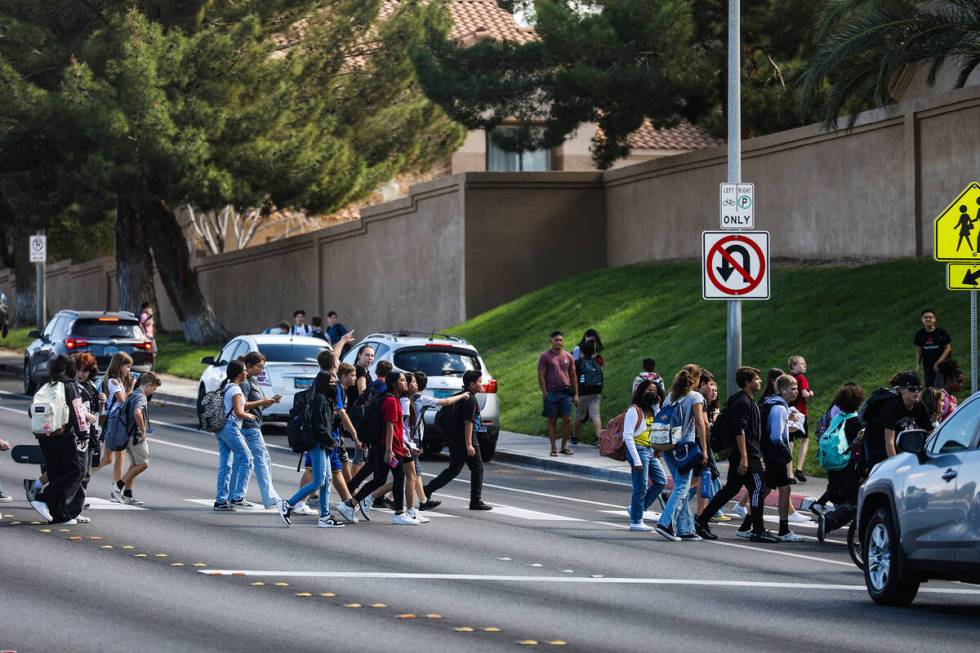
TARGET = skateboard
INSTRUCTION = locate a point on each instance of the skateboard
(28, 454)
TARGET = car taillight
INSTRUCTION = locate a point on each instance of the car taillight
(490, 386)
(75, 343)
(145, 346)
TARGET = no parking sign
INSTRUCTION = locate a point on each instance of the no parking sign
(735, 265)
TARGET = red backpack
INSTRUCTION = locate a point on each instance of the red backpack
(611, 444)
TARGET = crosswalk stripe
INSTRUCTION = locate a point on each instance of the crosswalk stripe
(96, 503)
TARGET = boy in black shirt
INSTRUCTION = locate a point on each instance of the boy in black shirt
(903, 412)
(932, 346)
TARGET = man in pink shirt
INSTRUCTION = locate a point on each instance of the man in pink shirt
(559, 390)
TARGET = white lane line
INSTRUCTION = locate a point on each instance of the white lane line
(190, 429)
(96, 503)
(565, 474)
(427, 513)
(759, 549)
(649, 514)
(537, 494)
(519, 513)
(694, 582)
(210, 452)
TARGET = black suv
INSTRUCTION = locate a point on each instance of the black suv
(99, 333)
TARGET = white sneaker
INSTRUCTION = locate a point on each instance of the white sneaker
(131, 501)
(740, 510)
(414, 514)
(304, 509)
(347, 512)
(82, 519)
(115, 495)
(789, 537)
(643, 528)
(328, 522)
(5, 499)
(365, 507)
(404, 519)
(70, 522)
(798, 518)
(42, 509)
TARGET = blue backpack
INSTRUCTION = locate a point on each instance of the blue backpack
(668, 427)
(834, 453)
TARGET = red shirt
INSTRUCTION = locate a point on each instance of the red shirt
(801, 385)
(559, 369)
(391, 413)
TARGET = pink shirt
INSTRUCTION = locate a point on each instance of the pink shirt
(146, 321)
(558, 370)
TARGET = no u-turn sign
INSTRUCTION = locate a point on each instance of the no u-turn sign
(735, 265)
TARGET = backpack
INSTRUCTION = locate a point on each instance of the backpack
(356, 409)
(120, 426)
(668, 427)
(299, 427)
(721, 438)
(834, 453)
(611, 443)
(590, 377)
(823, 423)
(770, 450)
(49, 409)
(873, 408)
(213, 415)
(445, 420)
(372, 428)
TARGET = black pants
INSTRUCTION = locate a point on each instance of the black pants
(367, 469)
(381, 469)
(840, 516)
(457, 458)
(66, 469)
(752, 480)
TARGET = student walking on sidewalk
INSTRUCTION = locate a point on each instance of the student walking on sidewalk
(559, 390)
(644, 461)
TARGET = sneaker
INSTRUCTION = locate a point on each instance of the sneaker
(789, 536)
(745, 535)
(313, 501)
(364, 506)
(242, 503)
(719, 518)
(799, 476)
(285, 511)
(798, 518)
(643, 528)
(740, 511)
(690, 537)
(116, 494)
(224, 506)
(86, 505)
(818, 509)
(4, 498)
(704, 530)
(328, 522)
(347, 512)
(404, 519)
(667, 532)
(430, 505)
(29, 489)
(82, 519)
(131, 501)
(422, 519)
(384, 502)
(304, 508)
(480, 506)
(821, 527)
(42, 509)
(766, 537)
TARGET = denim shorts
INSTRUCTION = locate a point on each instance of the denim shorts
(418, 465)
(557, 404)
(360, 456)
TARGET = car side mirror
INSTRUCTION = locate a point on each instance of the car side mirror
(34, 334)
(207, 360)
(912, 441)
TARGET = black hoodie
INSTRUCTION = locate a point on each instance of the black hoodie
(746, 419)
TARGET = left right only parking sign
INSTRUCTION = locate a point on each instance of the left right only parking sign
(735, 265)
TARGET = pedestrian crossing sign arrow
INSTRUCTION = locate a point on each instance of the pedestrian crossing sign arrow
(956, 232)
(963, 276)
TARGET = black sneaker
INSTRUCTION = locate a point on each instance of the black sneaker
(667, 532)
(800, 476)
(821, 527)
(431, 504)
(285, 511)
(765, 537)
(702, 529)
(480, 506)
(242, 503)
(224, 506)
(690, 537)
(385, 502)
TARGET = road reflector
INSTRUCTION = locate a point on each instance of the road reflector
(327, 595)
(128, 546)
(139, 555)
(303, 594)
(45, 530)
(94, 538)
(433, 616)
(406, 616)
(200, 564)
(558, 642)
(64, 530)
(378, 605)
(106, 546)
(161, 555)
(258, 583)
(176, 564)
(352, 605)
(491, 629)
(15, 523)
(35, 523)
(463, 629)
(75, 538)
(528, 642)
(282, 584)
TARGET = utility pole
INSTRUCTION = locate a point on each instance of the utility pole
(734, 175)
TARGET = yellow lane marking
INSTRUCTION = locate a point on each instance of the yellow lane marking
(258, 583)
(352, 605)
(528, 642)
(558, 642)
(327, 595)
(463, 629)
(491, 629)
(406, 616)
(303, 594)
(378, 605)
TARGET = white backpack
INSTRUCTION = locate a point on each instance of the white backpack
(49, 409)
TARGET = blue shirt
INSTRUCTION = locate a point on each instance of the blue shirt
(336, 332)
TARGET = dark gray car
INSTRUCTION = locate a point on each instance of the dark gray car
(100, 333)
(919, 511)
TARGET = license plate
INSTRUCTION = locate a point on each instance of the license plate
(442, 394)
(302, 383)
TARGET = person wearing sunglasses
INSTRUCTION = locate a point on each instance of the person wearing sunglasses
(905, 411)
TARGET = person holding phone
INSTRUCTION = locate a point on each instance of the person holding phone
(255, 401)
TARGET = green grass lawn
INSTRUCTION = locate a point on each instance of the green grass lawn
(17, 338)
(851, 323)
(174, 356)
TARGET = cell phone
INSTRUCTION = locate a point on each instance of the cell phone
(393, 463)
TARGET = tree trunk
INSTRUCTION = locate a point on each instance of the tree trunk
(25, 292)
(172, 258)
(134, 265)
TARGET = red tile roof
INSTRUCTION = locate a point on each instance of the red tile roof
(684, 136)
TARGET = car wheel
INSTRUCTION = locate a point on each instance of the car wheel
(200, 411)
(854, 546)
(488, 447)
(884, 568)
(29, 386)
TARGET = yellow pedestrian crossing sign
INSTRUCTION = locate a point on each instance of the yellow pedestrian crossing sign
(963, 276)
(956, 232)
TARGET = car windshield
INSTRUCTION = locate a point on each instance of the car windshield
(435, 361)
(290, 353)
(106, 329)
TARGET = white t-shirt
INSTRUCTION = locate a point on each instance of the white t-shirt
(406, 421)
(304, 330)
(231, 390)
(112, 402)
(423, 401)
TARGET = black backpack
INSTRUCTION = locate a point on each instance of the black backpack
(721, 438)
(873, 408)
(770, 451)
(447, 418)
(590, 377)
(371, 428)
(299, 428)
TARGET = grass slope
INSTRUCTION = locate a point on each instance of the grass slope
(851, 323)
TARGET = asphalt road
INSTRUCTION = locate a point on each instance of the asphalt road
(552, 567)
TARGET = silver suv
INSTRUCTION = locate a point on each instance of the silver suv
(919, 511)
(444, 359)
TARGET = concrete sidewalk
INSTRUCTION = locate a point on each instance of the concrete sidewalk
(516, 448)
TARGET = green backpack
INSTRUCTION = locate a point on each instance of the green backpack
(834, 451)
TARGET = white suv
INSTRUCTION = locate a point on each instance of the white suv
(444, 359)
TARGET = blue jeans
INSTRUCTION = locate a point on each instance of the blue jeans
(645, 494)
(320, 480)
(678, 506)
(232, 442)
(263, 467)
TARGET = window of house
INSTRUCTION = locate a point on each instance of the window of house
(500, 160)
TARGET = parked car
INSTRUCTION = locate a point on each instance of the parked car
(99, 333)
(290, 367)
(919, 511)
(443, 358)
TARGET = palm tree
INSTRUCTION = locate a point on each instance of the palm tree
(864, 44)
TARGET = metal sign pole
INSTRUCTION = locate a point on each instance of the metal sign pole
(40, 298)
(734, 345)
(973, 341)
